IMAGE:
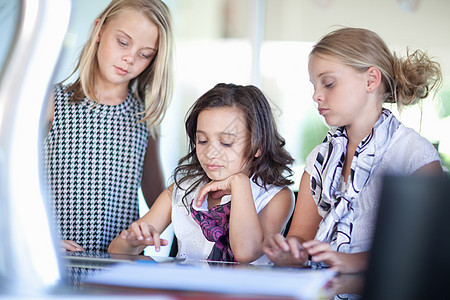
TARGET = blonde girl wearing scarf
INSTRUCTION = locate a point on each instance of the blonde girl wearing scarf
(353, 73)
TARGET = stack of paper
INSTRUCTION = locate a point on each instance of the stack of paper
(297, 283)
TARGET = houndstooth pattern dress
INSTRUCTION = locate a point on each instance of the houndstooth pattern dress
(93, 159)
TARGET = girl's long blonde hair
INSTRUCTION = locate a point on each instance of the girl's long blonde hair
(154, 85)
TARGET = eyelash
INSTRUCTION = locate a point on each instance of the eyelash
(125, 44)
(223, 144)
(145, 56)
(122, 43)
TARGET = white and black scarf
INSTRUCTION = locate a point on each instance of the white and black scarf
(336, 206)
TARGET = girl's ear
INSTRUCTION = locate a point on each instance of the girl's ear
(100, 31)
(373, 78)
(258, 153)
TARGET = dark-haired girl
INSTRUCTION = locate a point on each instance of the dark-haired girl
(230, 191)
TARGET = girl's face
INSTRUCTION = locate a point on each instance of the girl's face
(339, 91)
(222, 141)
(127, 45)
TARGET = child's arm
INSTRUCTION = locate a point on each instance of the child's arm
(248, 229)
(271, 219)
(306, 218)
(433, 168)
(49, 114)
(146, 230)
(300, 243)
(305, 222)
(152, 182)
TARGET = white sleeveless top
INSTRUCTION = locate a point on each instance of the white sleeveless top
(407, 153)
(192, 244)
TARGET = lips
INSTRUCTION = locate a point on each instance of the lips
(213, 167)
(120, 71)
(322, 110)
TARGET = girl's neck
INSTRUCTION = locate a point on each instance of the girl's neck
(358, 131)
(214, 199)
(112, 95)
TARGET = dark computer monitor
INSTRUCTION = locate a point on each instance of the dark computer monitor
(410, 258)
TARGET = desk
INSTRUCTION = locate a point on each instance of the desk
(182, 279)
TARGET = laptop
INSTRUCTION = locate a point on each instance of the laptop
(410, 257)
(101, 260)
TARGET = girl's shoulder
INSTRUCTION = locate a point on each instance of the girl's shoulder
(60, 93)
(188, 185)
(132, 105)
(259, 190)
(134, 98)
(311, 159)
(60, 88)
(263, 194)
(410, 151)
(407, 139)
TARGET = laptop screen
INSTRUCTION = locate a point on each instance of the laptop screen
(410, 258)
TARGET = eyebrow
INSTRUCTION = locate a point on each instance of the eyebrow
(320, 75)
(324, 73)
(128, 36)
(220, 133)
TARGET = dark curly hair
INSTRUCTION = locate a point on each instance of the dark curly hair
(270, 167)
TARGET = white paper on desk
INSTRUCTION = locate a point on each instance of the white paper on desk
(298, 283)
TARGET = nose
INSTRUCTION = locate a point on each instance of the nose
(128, 58)
(212, 152)
(317, 96)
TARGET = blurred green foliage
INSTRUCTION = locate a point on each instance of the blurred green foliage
(313, 133)
(443, 109)
(444, 104)
(445, 159)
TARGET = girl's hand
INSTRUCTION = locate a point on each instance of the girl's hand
(321, 252)
(340, 262)
(70, 246)
(217, 188)
(143, 234)
(220, 188)
(285, 251)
